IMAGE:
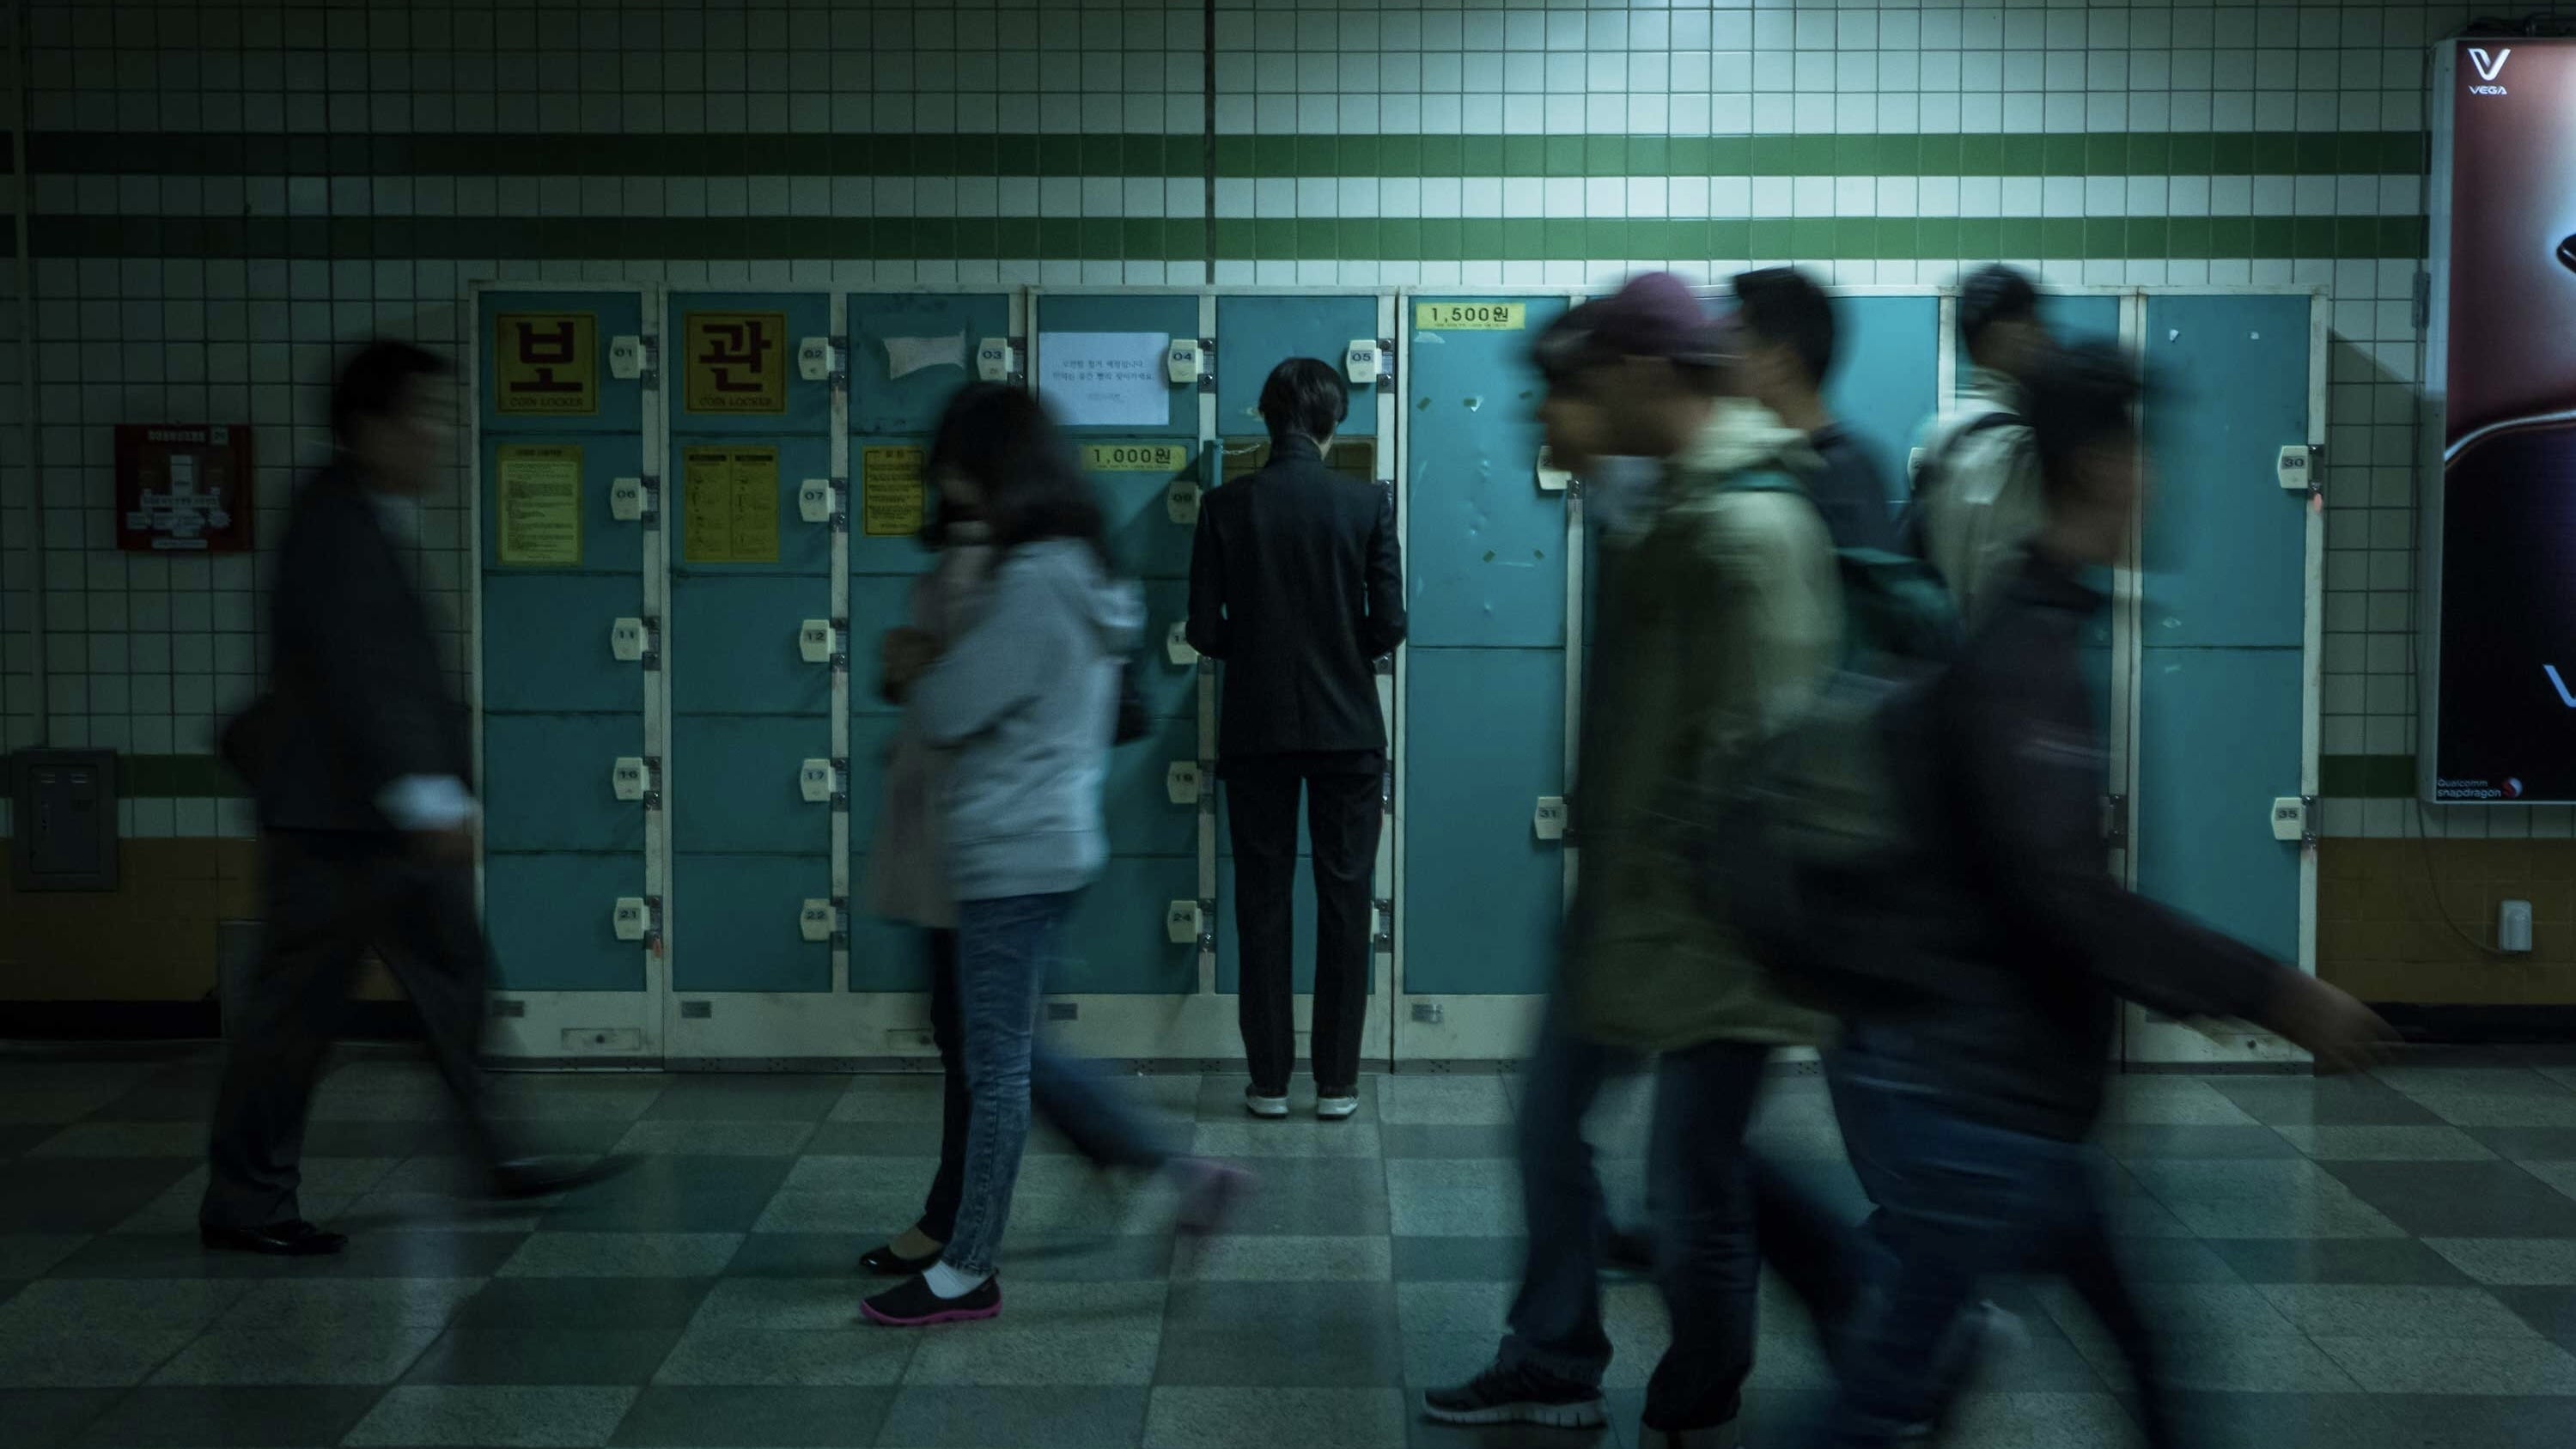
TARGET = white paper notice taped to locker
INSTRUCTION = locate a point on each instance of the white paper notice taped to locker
(908, 355)
(1549, 819)
(1105, 379)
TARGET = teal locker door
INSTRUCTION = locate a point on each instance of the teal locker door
(1117, 942)
(749, 709)
(1886, 376)
(1255, 334)
(2223, 611)
(559, 568)
(1485, 683)
(909, 353)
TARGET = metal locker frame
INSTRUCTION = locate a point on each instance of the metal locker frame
(1473, 1030)
(2147, 1040)
(546, 1023)
(839, 1029)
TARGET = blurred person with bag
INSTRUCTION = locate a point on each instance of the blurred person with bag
(359, 757)
(1022, 702)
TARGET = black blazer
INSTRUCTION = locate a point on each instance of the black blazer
(1295, 584)
(358, 698)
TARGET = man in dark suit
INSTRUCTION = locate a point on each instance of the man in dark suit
(1295, 585)
(360, 758)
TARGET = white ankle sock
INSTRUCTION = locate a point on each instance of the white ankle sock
(947, 1282)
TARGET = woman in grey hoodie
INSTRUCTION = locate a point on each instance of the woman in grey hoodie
(1023, 703)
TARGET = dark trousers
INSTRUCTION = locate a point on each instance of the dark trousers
(329, 897)
(1071, 1100)
(1961, 1201)
(1344, 812)
(1716, 1208)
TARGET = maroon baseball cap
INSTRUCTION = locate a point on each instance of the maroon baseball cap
(1654, 314)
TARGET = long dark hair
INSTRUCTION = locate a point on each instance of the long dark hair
(1022, 468)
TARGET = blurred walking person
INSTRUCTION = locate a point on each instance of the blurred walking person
(1296, 588)
(1790, 336)
(361, 762)
(1018, 691)
(1976, 486)
(1980, 1060)
(1719, 611)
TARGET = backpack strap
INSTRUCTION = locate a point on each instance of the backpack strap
(1937, 463)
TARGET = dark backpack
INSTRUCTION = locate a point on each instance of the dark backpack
(1817, 828)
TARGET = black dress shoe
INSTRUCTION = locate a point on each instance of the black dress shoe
(543, 1177)
(885, 1262)
(293, 1238)
(1630, 1249)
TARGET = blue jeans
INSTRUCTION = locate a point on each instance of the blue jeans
(1003, 948)
(1961, 1201)
(1704, 1193)
(1068, 1094)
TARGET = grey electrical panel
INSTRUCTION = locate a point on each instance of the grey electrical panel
(65, 802)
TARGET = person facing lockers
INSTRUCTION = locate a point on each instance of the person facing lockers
(1296, 589)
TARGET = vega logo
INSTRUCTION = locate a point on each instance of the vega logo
(2489, 66)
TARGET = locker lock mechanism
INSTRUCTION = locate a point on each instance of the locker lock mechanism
(1183, 780)
(629, 499)
(1185, 361)
(818, 920)
(2297, 469)
(817, 360)
(1548, 820)
(818, 782)
(818, 641)
(1551, 478)
(1181, 922)
(996, 360)
(1364, 361)
(816, 500)
(1176, 645)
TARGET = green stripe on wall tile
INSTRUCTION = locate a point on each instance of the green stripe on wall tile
(2366, 777)
(2144, 153)
(985, 238)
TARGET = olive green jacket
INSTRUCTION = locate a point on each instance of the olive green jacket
(1717, 616)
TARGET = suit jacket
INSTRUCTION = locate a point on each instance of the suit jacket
(358, 698)
(1296, 587)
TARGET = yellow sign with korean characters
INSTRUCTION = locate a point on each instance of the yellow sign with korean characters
(736, 362)
(1470, 316)
(1135, 457)
(892, 496)
(729, 505)
(545, 364)
(536, 506)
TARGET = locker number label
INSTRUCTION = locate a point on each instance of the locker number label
(1470, 316)
(814, 781)
(1549, 819)
(1135, 457)
(627, 919)
(816, 920)
(626, 777)
(814, 641)
(626, 640)
(1181, 922)
(1176, 644)
(1182, 781)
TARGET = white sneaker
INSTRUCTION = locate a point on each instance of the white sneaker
(1261, 1106)
(1334, 1109)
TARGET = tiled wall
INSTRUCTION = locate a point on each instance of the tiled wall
(226, 192)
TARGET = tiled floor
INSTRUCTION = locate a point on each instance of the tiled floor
(2353, 1264)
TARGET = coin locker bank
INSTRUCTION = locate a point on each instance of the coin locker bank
(696, 511)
